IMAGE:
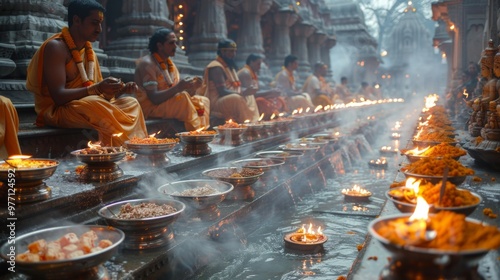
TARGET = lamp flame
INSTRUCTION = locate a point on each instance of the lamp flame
(421, 210)
(261, 117)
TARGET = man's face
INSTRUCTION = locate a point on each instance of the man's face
(90, 27)
(323, 70)
(255, 65)
(228, 53)
(168, 47)
(294, 65)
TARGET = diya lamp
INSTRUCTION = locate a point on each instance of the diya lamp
(100, 162)
(395, 136)
(380, 163)
(230, 133)
(151, 150)
(388, 150)
(356, 192)
(306, 239)
(253, 131)
(196, 142)
(29, 175)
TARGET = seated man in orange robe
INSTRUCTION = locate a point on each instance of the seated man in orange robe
(317, 87)
(285, 81)
(268, 101)
(9, 125)
(69, 89)
(162, 93)
(223, 87)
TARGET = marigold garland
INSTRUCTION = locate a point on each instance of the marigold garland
(164, 66)
(87, 78)
(235, 83)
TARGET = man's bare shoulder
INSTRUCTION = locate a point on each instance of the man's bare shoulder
(56, 46)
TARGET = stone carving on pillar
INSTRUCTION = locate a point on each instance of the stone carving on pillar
(281, 46)
(300, 33)
(329, 43)
(209, 28)
(250, 33)
(138, 20)
(24, 25)
(314, 43)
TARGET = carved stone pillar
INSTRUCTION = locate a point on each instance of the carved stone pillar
(250, 32)
(314, 43)
(209, 28)
(137, 22)
(300, 34)
(281, 39)
(24, 25)
(329, 43)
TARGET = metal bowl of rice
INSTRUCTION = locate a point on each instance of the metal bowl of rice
(198, 194)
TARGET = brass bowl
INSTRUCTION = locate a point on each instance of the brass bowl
(407, 207)
(262, 164)
(414, 158)
(456, 180)
(287, 156)
(29, 174)
(174, 189)
(99, 158)
(63, 269)
(143, 233)
(150, 149)
(230, 131)
(188, 138)
(419, 255)
(235, 181)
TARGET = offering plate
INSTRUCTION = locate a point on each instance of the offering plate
(261, 164)
(247, 177)
(414, 158)
(86, 267)
(196, 144)
(198, 202)
(290, 157)
(29, 185)
(101, 167)
(457, 180)
(230, 136)
(406, 207)
(143, 233)
(292, 242)
(411, 262)
(254, 131)
(156, 154)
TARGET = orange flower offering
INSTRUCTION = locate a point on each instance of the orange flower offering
(26, 163)
(201, 132)
(153, 140)
(466, 235)
(453, 197)
(231, 124)
(435, 167)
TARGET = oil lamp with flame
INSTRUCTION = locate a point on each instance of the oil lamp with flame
(378, 163)
(356, 192)
(306, 239)
(388, 150)
(29, 177)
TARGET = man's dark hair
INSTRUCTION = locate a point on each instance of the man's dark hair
(225, 44)
(343, 79)
(290, 59)
(253, 57)
(160, 36)
(318, 66)
(82, 9)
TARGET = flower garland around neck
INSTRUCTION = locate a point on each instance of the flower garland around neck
(164, 67)
(291, 78)
(235, 83)
(87, 77)
(252, 73)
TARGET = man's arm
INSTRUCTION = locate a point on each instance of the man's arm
(216, 75)
(145, 76)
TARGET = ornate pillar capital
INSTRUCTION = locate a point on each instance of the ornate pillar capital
(285, 18)
(303, 29)
(259, 7)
